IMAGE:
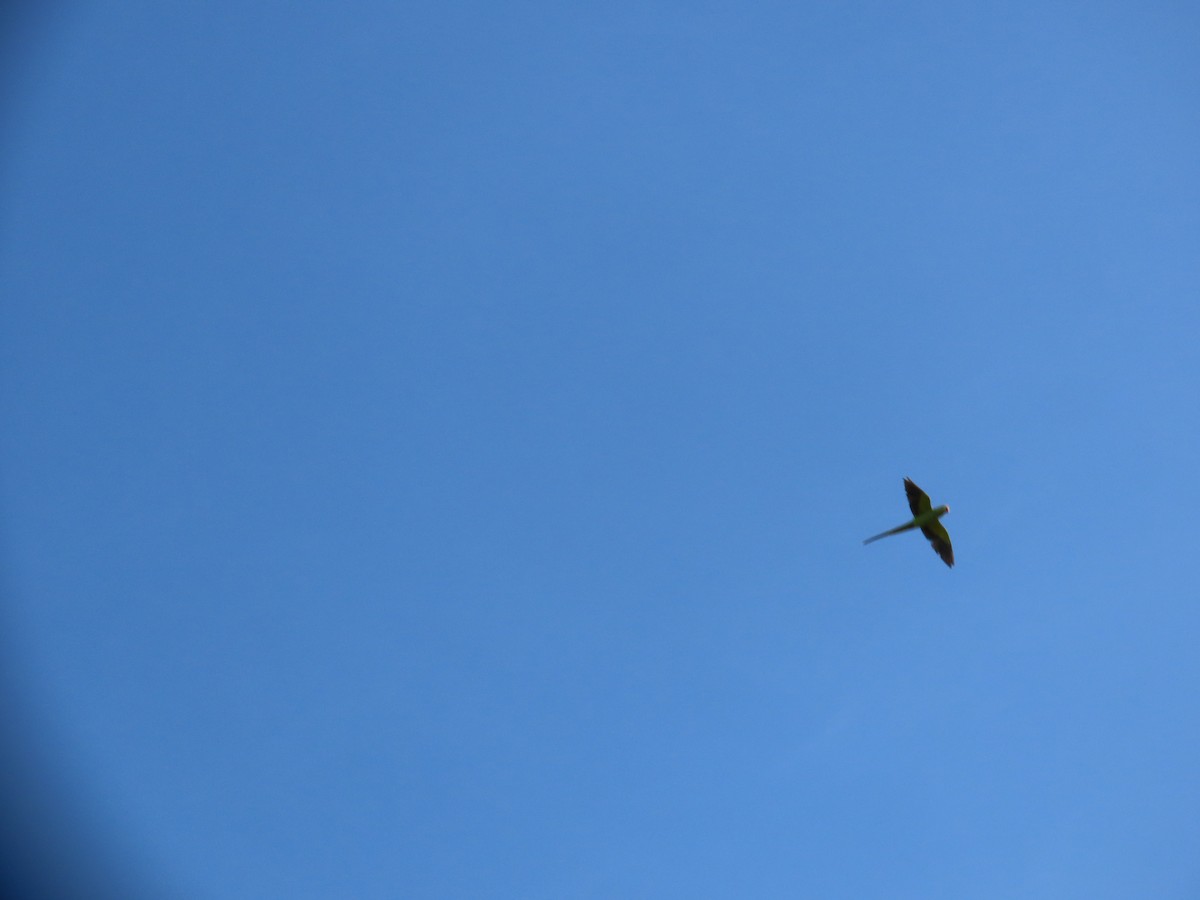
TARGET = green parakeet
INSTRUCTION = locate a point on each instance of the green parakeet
(925, 517)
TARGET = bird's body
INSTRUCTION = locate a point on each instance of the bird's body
(925, 517)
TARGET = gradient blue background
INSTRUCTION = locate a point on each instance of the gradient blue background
(438, 439)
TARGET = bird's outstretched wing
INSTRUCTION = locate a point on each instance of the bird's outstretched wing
(939, 537)
(918, 500)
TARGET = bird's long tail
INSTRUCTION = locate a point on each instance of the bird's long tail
(907, 526)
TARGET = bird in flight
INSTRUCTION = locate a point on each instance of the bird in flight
(925, 517)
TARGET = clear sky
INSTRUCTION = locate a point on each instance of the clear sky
(438, 439)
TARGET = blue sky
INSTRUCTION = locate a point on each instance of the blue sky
(439, 439)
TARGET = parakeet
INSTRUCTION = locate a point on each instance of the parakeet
(925, 517)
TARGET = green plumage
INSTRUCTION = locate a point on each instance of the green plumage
(925, 517)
